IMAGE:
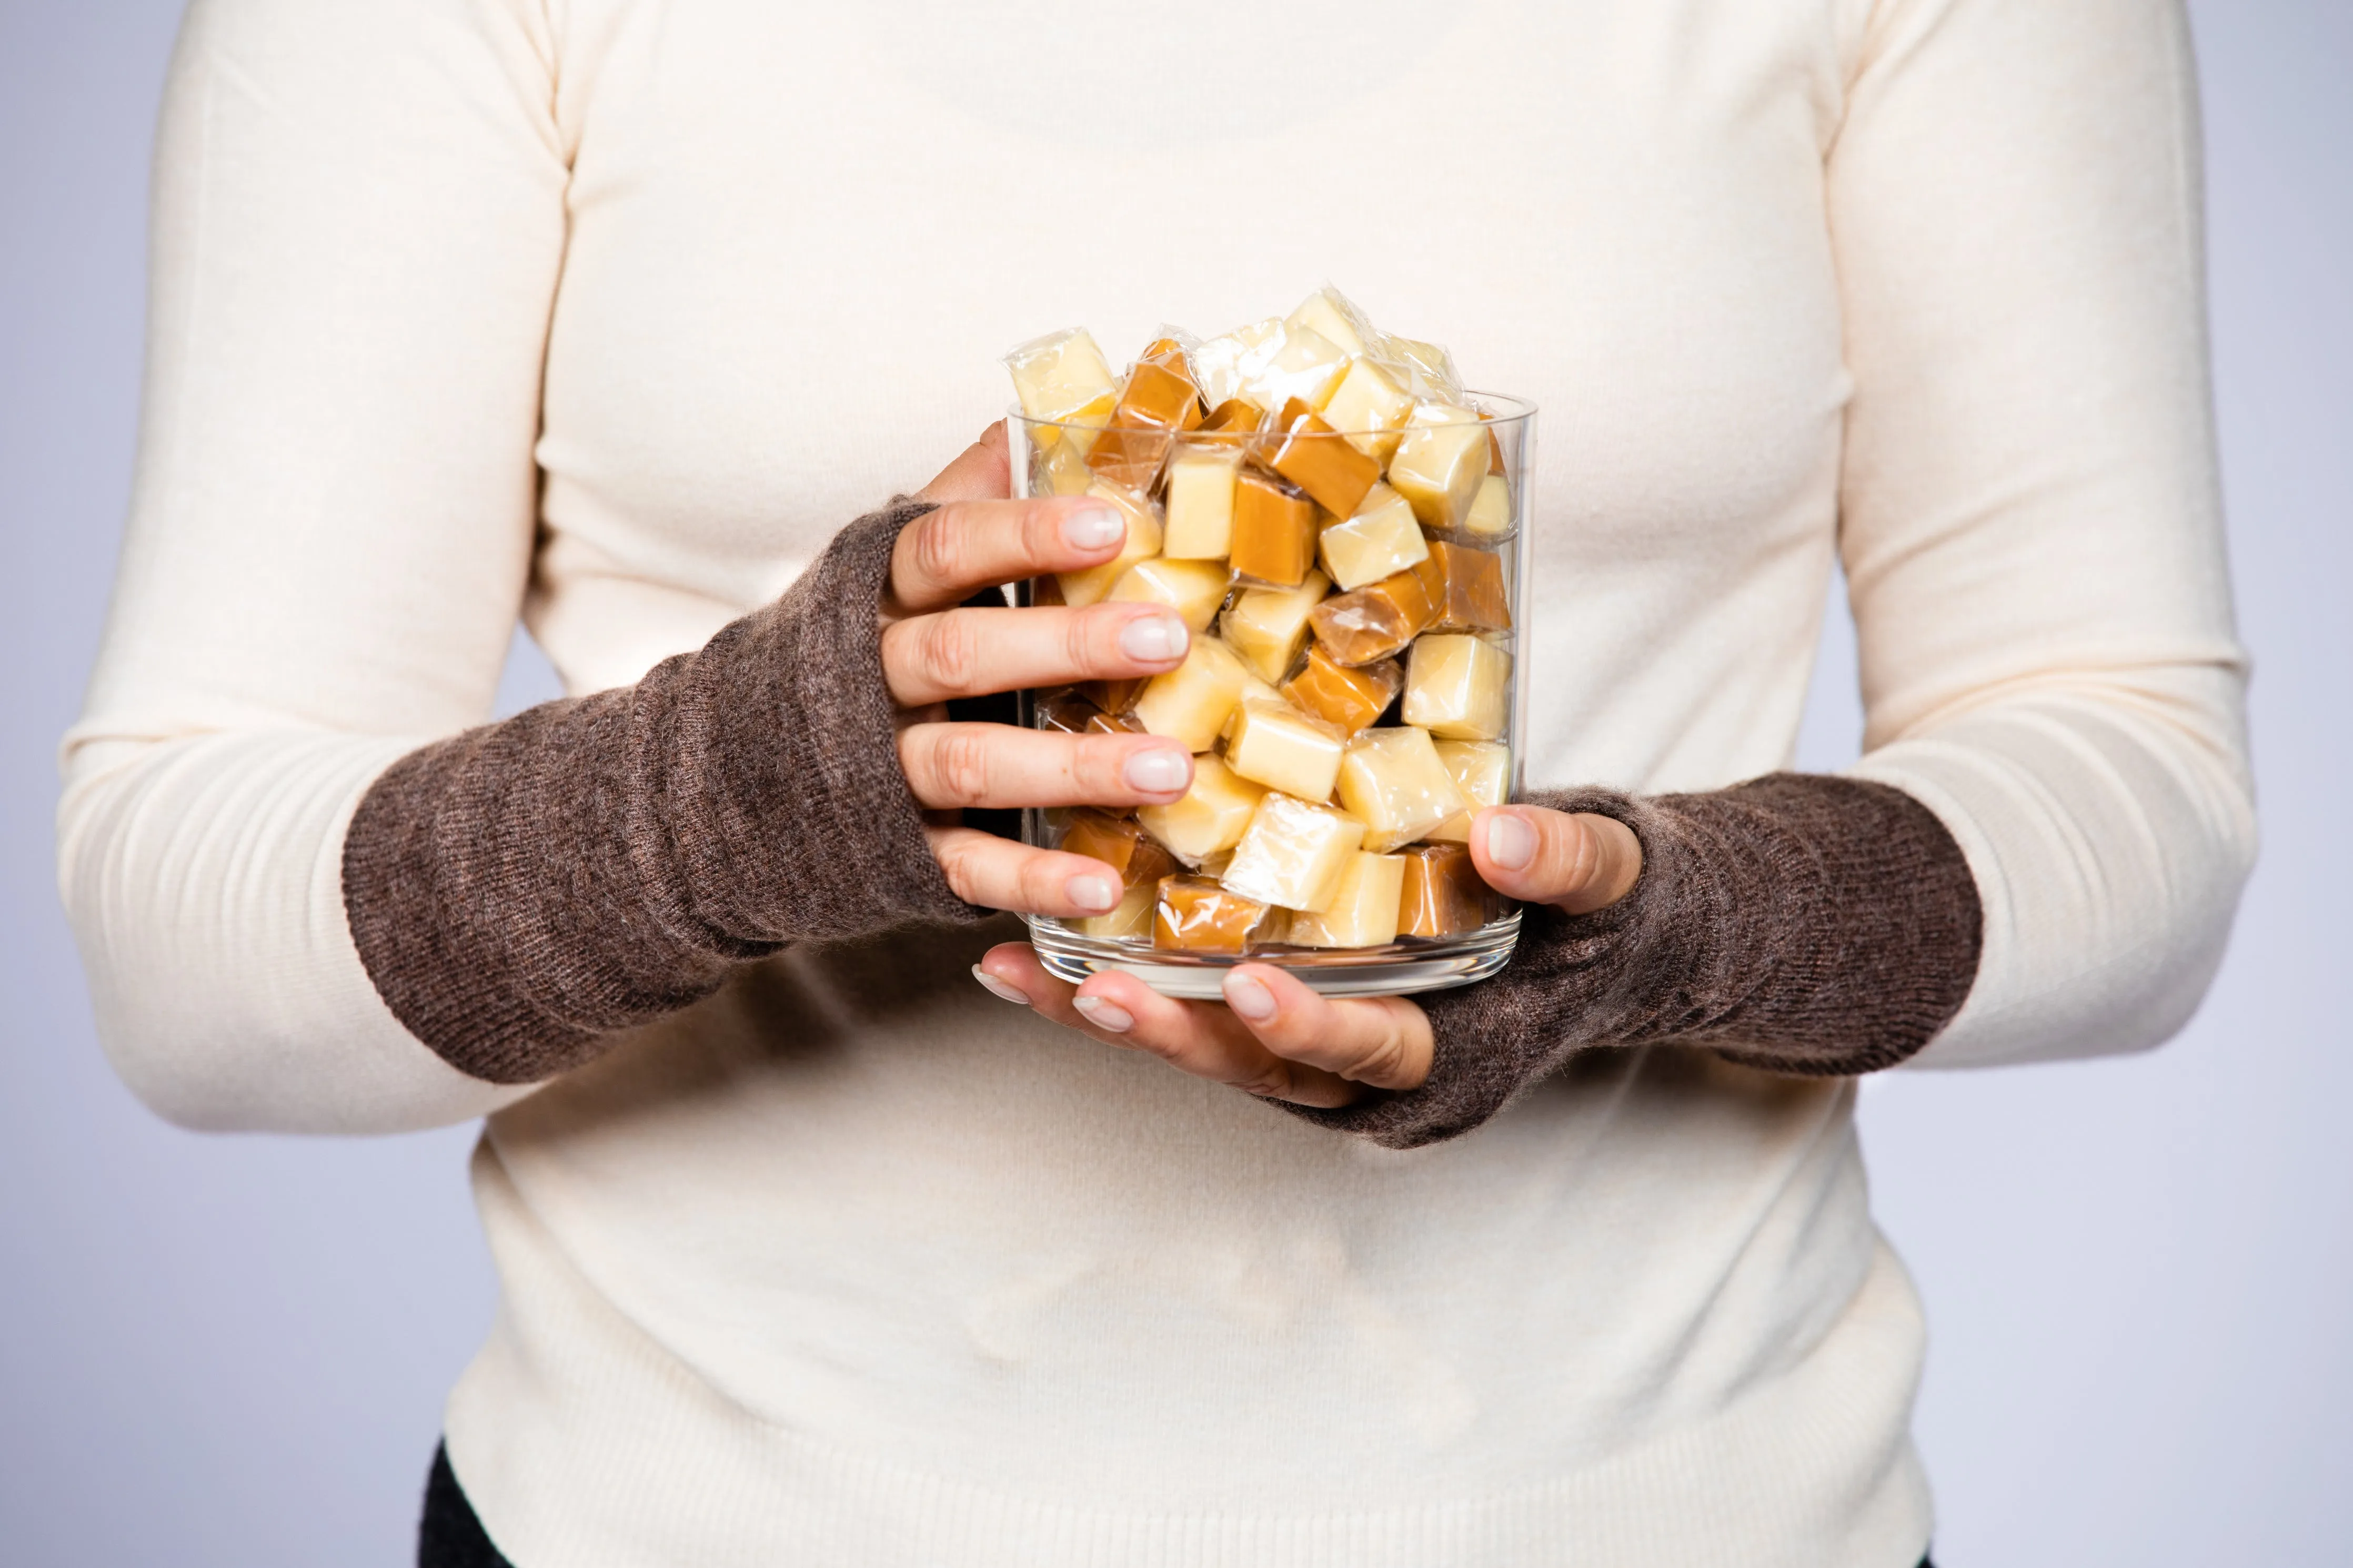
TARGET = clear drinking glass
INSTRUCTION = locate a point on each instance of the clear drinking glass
(1177, 929)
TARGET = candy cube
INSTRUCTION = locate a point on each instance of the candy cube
(1211, 816)
(1201, 502)
(1275, 745)
(1158, 401)
(1352, 699)
(1443, 895)
(1117, 698)
(1192, 702)
(1274, 539)
(1430, 368)
(1222, 366)
(1294, 853)
(1297, 362)
(1130, 918)
(1311, 454)
(1233, 419)
(1466, 588)
(1269, 626)
(1370, 407)
(1193, 914)
(1374, 622)
(1119, 842)
(1363, 911)
(1440, 464)
(1482, 772)
(1195, 590)
(1393, 782)
(1082, 588)
(1328, 311)
(1061, 374)
(1489, 516)
(1061, 468)
(1458, 687)
(1382, 537)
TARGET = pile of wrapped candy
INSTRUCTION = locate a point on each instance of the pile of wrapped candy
(1323, 505)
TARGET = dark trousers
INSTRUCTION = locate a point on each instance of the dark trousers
(451, 1537)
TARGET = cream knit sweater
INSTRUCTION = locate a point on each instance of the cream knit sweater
(613, 311)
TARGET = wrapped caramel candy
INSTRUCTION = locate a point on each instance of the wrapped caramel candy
(1295, 362)
(1201, 482)
(1073, 713)
(1192, 703)
(1442, 894)
(1193, 914)
(1466, 588)
(1329, 313)
(1430, 369)
(1459, 688)
(1277, 746)
(1489, 516)
(1482, 772)
(1274, 530)
(1062, 376)
(1132, 917)
(1381, 538)
(1310, 454)
(1374, 622)
(1211, 818)
(1268, 626)
(1120, 843)
(1223, 366)
(1352, 699)
(1440, 462)
(1233, 419)
(1117, 697)
(1159, 402)
(1393, 782)
(1370, 407)
(1195, 590)
(1363, 909)
(1063, 469)
(1294, 853)
(1082, 588)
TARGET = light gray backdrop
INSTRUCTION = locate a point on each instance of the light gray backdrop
(2139, 1273)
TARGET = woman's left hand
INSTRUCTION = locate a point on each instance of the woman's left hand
(1275, 1037)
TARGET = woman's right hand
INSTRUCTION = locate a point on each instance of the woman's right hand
(934, 650)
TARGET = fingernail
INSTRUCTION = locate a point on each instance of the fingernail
(1155, 639)
(1249, 997)
(998, 988)
(1092, 528)
(1095, 894)
(1158, 772)
(1511, 842)
(1104, 1015)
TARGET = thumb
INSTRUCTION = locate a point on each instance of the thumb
(983, 472)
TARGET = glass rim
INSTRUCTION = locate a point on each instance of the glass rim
(1520, 411)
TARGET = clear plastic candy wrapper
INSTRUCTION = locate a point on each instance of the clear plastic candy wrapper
(1344, 527)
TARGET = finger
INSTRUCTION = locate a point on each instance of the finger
(944, 557)
(982, 471)
(998, 874)
(1012, 970)
(1383, 1041)
(953, 766)
(1201, 1038)
(1582, 862)
(970, 653)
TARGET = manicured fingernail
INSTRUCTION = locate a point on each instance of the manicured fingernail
(1155, 639)
(998, 988)
(1159, 770)
(1250, 999)
(1104, 1015)
(1511, 842)
(1092, 528)
(1095, 894)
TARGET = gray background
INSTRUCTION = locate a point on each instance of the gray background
(233, 1350)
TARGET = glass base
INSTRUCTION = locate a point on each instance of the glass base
(1397, 970)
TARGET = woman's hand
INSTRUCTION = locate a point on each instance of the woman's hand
(1276, 1038)
(932, 651)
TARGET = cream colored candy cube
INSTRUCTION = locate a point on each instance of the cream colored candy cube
(1065, 471)
(1209, 819)
(1482, 772)
(1058, 375)
(1329, 312)
(1192, 702)
(1255, 689)
(1489, 516)
(1370, 408)
(1268, 626)
(1392, 781)
(1201, 503)
(1439, 463)
(1304, 364)
(1275, 745)
(1363, 911)
(1131, 918)
(1458, 687)
(1381, 538)
(1294, 854)
(1194, 589)
(1142, 542)
(1429, 367)
(1222, 366)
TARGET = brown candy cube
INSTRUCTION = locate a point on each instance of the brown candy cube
(1274, 530)
(1313, 456)
(1114, 696)
(1197, 915)
(1159, 402)
(1375, 621)
(1465, 585)
(1120, 843)
(1352, 699)
(1443, 893)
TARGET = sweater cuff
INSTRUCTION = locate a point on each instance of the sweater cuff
(1797, 922)
(520, 892)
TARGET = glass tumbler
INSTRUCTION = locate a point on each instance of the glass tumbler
(1354, 694)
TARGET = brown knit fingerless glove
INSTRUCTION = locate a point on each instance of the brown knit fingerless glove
(520, 892)
(1801, 923)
